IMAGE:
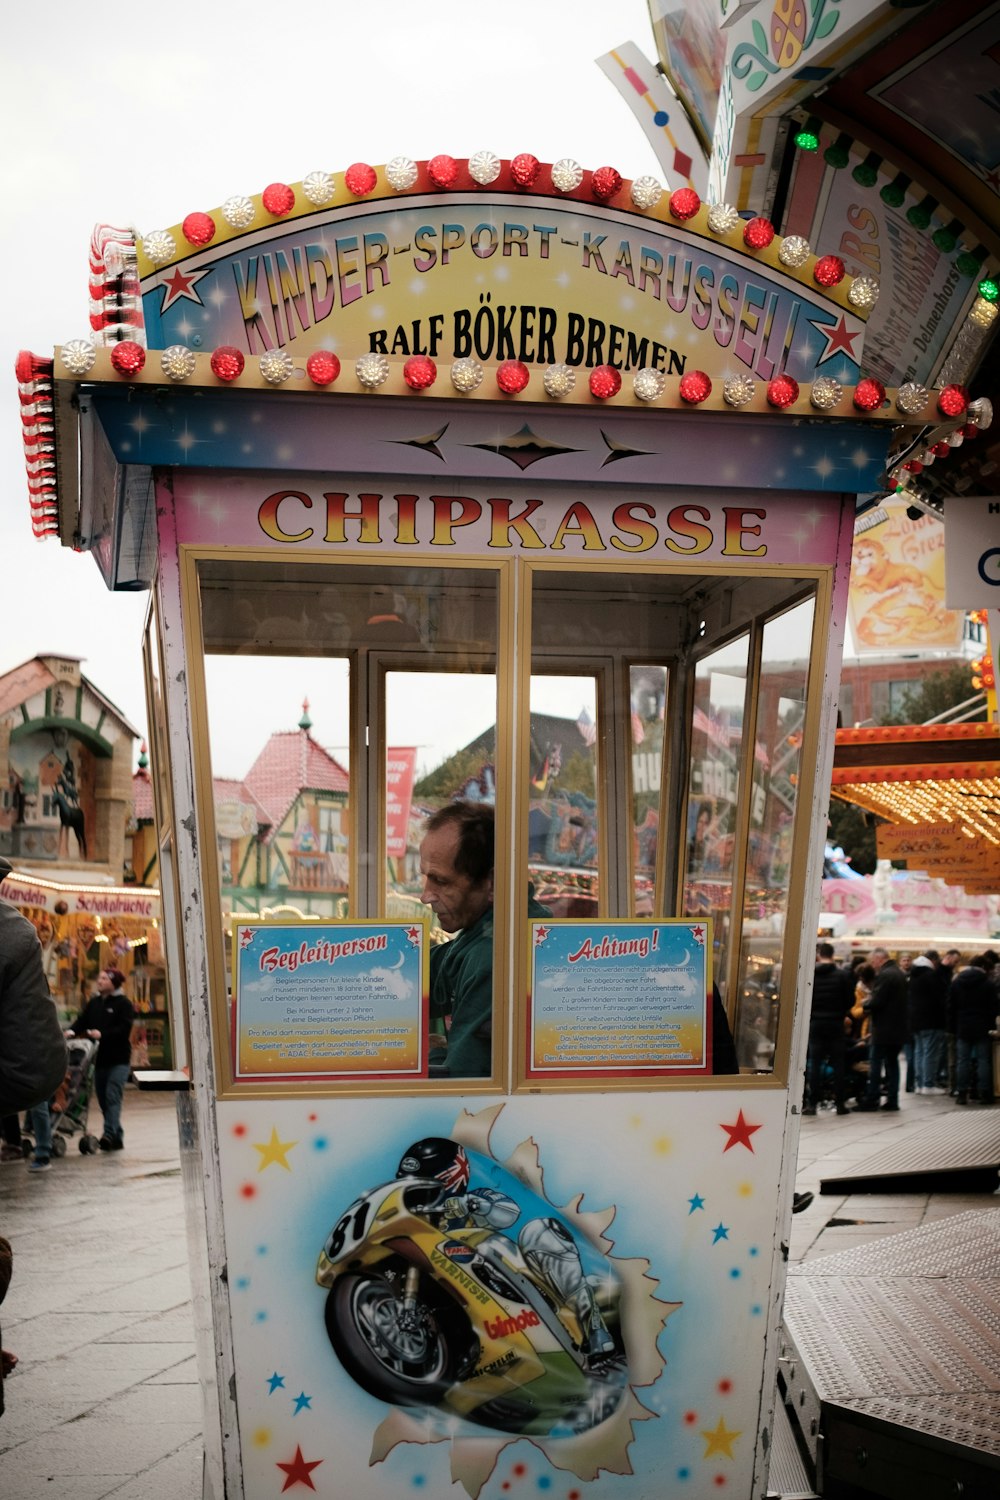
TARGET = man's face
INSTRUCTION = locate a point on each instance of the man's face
(877, 959)
(455, 899)
(951, 958)
(104, 984)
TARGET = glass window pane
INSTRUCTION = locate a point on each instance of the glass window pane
(777, 757)
(563, 811)
(648, 701)
(713, 793)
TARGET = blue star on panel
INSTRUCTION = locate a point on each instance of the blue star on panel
(275, 1381)
(720, 1232)
(302, 1403)
(696, 1202)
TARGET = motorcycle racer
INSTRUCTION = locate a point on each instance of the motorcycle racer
(547, 1246)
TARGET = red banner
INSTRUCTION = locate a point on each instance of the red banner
(399, 769)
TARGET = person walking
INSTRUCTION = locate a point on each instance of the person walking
(107, 1018)
(972, 1015)
(926, 1005)
(886, 1007)
(832, 998)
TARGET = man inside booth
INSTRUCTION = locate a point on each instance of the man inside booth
(456, 862)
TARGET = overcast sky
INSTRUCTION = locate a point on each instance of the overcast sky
(138, 116)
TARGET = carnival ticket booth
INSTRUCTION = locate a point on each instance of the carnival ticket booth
(574, 462)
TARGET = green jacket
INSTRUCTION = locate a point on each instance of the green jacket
(462, 988)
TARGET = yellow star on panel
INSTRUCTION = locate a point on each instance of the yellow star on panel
(719, 1440)
(274, 1151)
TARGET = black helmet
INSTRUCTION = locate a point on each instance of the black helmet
(435, 1156)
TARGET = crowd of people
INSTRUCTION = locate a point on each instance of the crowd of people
(937, 1013)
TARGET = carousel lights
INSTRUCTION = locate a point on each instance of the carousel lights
(646, 192)
(567, 175)
(605, 184)
(419, 372)
(794, 251)
(467, 375)
(276, 366)
(912, 399)
(758, 233)
(318, 187)
(739, 390)
(278, 199)
(360, 179)
(684, 204)
(807, 137)
(512, 377)
(782, 391)
(695, 387)
(648, 384)
(401, 173)
(198, 229)
(863, 292)
(723, 218)
(826, 393)
(443, 171)
(238, 211)
(989, 289)
(322, 367)
(981, 412)
(128, 358)
(983, 313)
(869, 394)
(829, 270)
(178, 362)
(559, 381)
(227, 362)
(953, 401)
(865, 174)
(78, 356)
(372, 370)
(525, 169)
(159, 247)
(485, 166)
(605, 382)
(838, 153)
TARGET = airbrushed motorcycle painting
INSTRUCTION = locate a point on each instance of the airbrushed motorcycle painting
(455, 1287)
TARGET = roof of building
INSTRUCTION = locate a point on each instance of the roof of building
(292, 762)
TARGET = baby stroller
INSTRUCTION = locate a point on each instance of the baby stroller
(70, 1106)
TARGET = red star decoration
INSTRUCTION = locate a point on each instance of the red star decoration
(839, 340)
(180, 284)
(246, 937)
(541, 933)
(698, 933)
(413, 933)
(739, 1134)
(299, 1471)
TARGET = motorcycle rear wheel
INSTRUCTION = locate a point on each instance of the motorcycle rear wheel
(413, 1365)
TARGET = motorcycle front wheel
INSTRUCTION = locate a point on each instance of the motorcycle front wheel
(394, 1355)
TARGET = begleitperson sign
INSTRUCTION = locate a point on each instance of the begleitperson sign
(330, 1000)
(618, 998)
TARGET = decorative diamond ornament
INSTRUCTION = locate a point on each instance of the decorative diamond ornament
(739, 390)
(648, 384)
(198, 229)
(159, 246)
(127, 358)
(567, 175)
(372, 371)
(227, 362)
(238, 211)
(722, 218)
(178, 363)
(605, 382)
(559, 380)
(78, 356)
(276, 366)
(484, 167)
(826, 393)
(684, 204)
(318, 187)
(794, 251)
(401, 173)
(512, 376)
(863, 292)
(646, 192)
(322, 367)
(467, 374)
(911, 398)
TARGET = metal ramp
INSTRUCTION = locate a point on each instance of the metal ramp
(891, 1363)
(957, 1153)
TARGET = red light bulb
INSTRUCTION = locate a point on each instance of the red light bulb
(695, 387)
(512, 376)
(419, 372)
(953, 401)
(442, 171)
(227, 362)
(869, 394)
(128, 358)
(198, 229)
(605, 183)
(684, 204)
(605, 381)
(829, 270)
(524, 169)
(322, 367)
(278, 199)
(758, 234)
(360, 179)
(782, 391)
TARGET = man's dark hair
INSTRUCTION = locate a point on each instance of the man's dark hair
(475, 822)
(825, 951)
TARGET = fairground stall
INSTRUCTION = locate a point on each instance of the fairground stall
(563, 470)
